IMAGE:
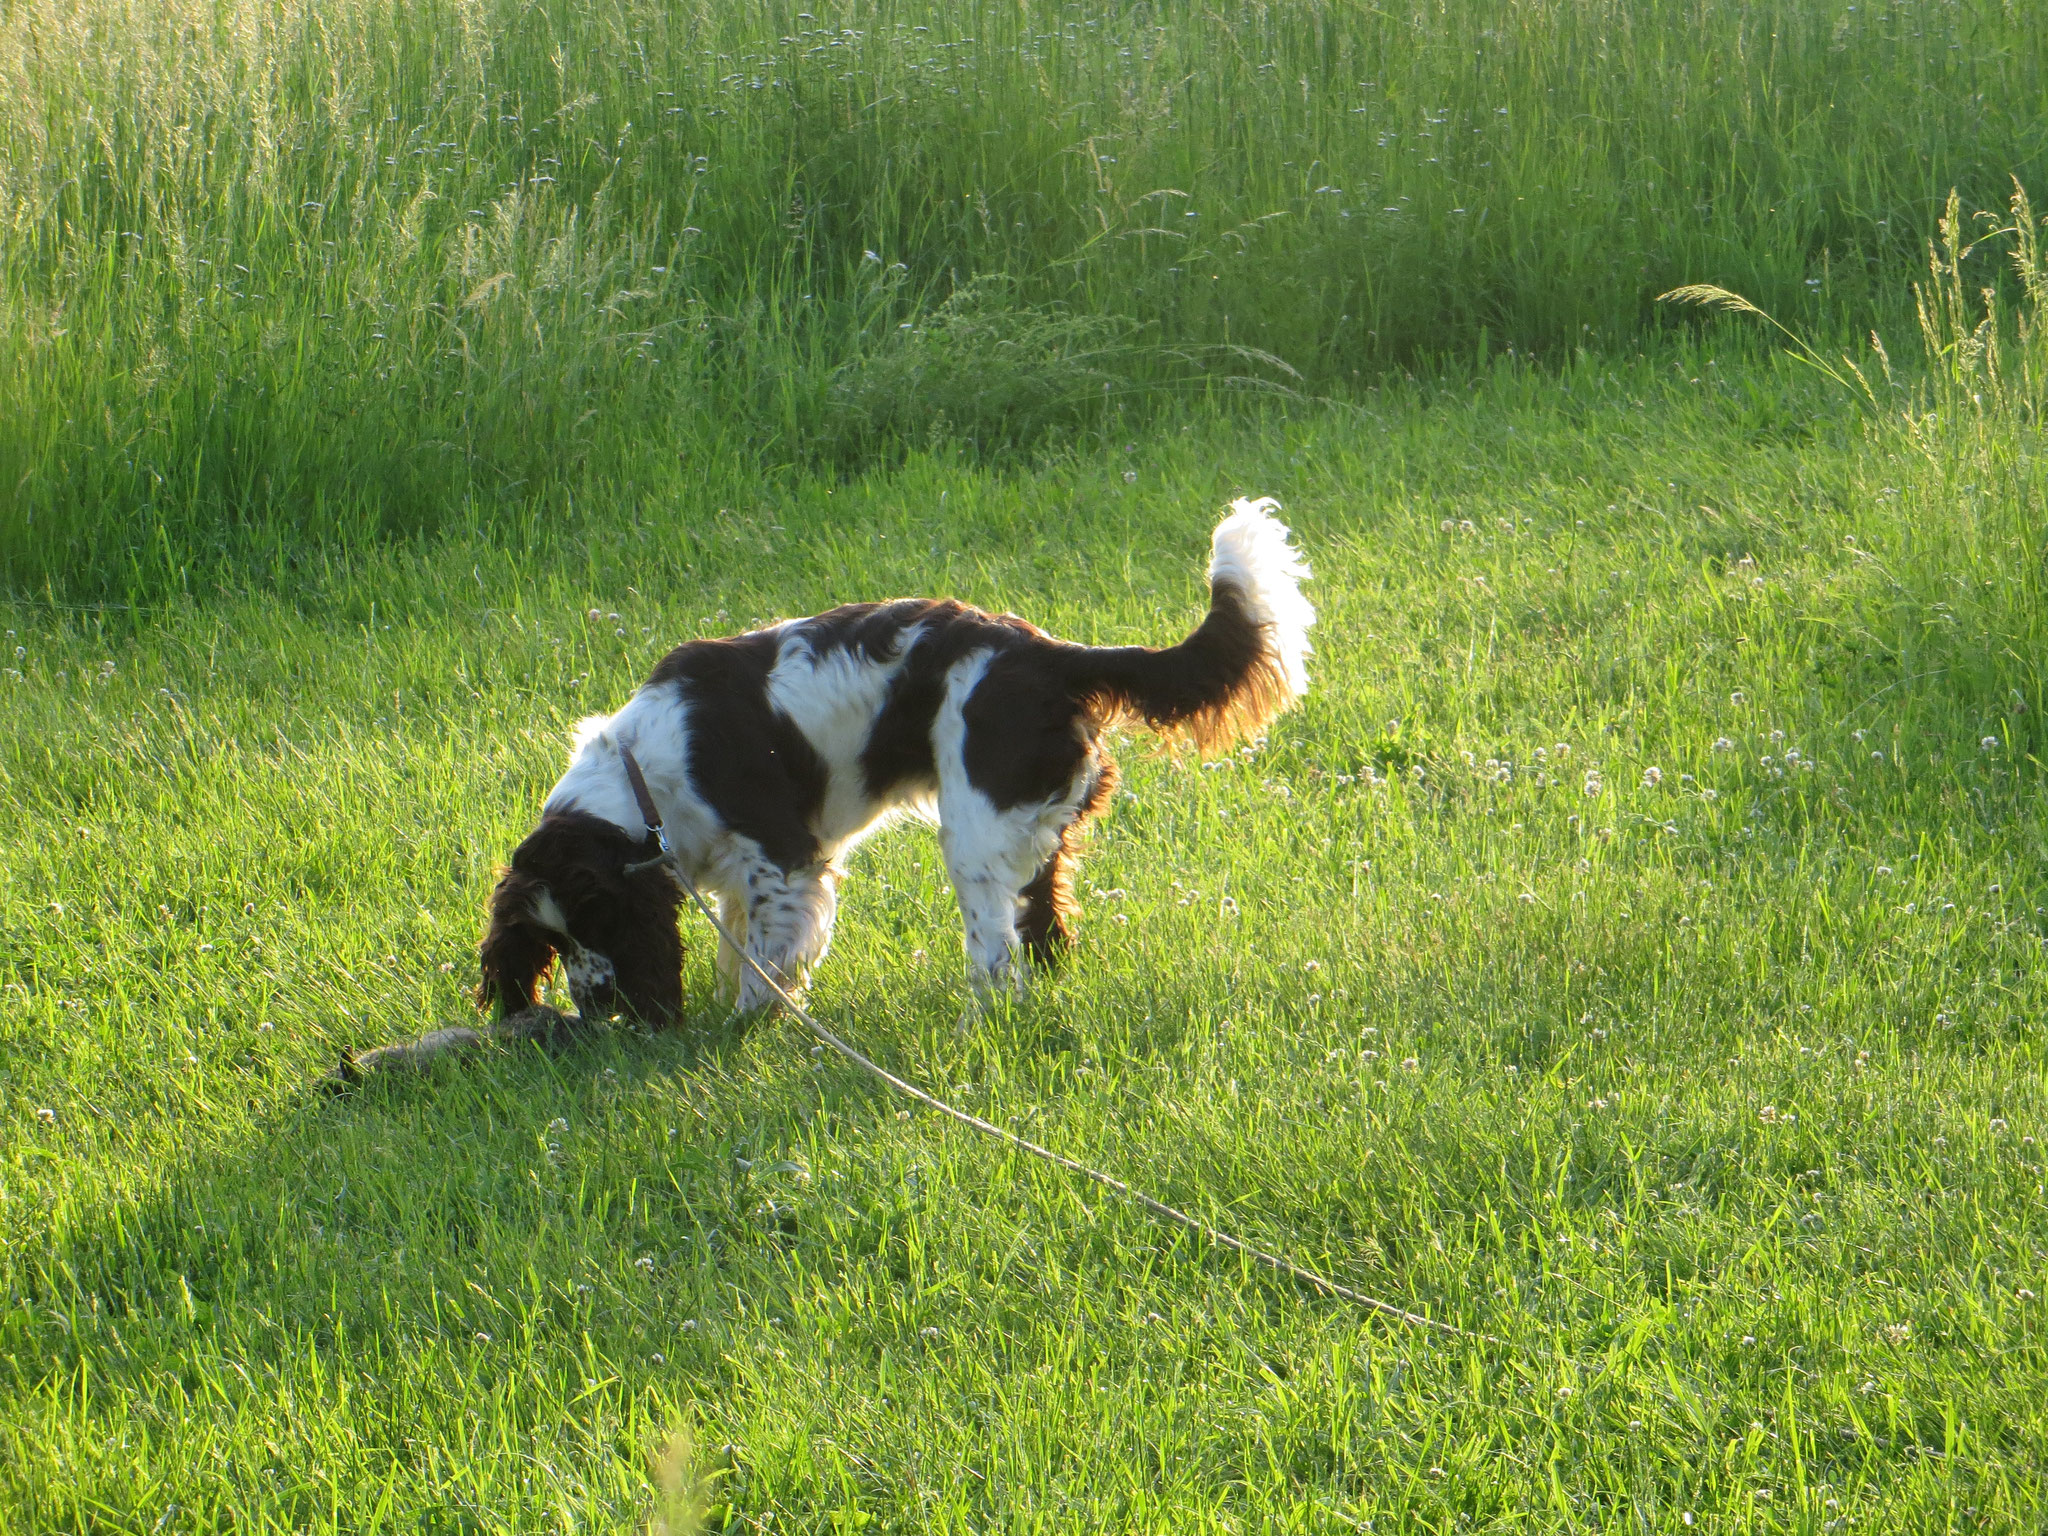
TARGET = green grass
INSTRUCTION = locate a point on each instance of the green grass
(1718, 1101)
(374, 401)
(372, 267)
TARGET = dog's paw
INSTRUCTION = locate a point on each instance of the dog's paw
(739, 1021)
(759, 1000)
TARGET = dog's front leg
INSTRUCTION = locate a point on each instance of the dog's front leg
(789, 927)
(730, 968)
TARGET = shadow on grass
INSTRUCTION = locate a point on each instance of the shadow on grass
(422, 1279)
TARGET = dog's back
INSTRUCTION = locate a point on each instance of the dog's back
(769, 756)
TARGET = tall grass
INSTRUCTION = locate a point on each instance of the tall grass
(1956, 544)
(1716, 1092)
(363, 268)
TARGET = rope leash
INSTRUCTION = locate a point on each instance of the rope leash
(673, 865)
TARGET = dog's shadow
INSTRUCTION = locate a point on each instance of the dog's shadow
(523, 1207)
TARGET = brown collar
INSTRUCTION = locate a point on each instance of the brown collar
(648, 813)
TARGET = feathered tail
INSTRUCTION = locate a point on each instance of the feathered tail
(1245, 662)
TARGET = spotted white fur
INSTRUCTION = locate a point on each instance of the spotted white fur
(586, 971)
(784, 918)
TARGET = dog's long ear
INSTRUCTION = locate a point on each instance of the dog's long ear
(644, 943)
(516, 952)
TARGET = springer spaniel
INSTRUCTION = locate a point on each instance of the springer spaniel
(770, 755)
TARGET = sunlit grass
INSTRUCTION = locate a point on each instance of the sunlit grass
(379, 266)
(1632, 951)
(1714, 1092)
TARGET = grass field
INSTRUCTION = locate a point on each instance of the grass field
(1632, 950)
(376, 267)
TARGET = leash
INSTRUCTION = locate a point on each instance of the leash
(668, 860)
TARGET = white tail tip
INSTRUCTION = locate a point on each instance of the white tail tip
(1251, 551)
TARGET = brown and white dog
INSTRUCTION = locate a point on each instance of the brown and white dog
(770, 755)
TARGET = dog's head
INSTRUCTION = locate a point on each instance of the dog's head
(570, 893)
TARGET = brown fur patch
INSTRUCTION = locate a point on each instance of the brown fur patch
(1047, 926)
(515, 955)
(898, 752)
(756, 770)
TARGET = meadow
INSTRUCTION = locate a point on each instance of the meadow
(390, 267)
(1631, 952)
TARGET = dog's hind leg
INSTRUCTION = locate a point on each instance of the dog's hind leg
(1006, 867)
(1046, 926)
